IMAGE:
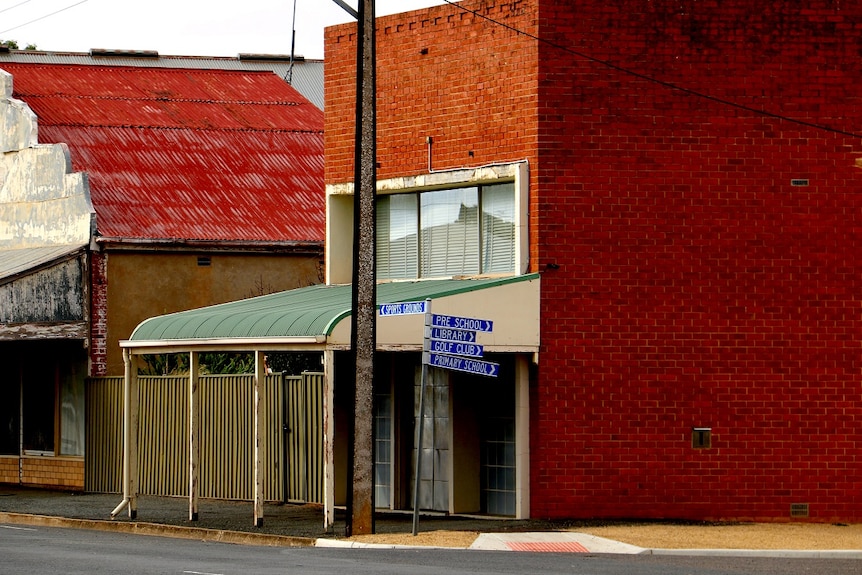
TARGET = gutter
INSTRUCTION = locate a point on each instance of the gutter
(177, 244)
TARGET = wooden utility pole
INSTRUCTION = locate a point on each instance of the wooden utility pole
(363, 320)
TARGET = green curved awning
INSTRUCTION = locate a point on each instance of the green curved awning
(301, 313)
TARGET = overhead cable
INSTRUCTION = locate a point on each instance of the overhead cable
(669, 85)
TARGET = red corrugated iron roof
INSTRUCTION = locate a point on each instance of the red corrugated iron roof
(176, 154)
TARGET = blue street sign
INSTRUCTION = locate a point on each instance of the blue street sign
(447, 334)
(455, 322)
(402, 308)
(457, 348)
(464, 364)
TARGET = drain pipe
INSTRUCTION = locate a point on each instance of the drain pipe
(127, 424)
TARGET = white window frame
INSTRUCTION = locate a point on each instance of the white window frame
(339, 210)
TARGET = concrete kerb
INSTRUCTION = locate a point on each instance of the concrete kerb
(159, 530)
(485, 541)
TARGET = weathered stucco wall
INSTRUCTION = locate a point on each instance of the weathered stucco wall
(42, 202)
(46, 222)
(145, 284)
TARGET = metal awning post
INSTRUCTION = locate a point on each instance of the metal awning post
(194, 435)
(328, 440)
(420, 420)
(130, 436)
(259, 380)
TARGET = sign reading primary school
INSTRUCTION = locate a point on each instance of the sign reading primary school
(464, 364)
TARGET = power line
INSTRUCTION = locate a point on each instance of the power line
(669, 85)
(41, 17)
(14, 6)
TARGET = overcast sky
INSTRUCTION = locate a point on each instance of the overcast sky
(180, 27)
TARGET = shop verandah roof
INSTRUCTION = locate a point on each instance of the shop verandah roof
(309, 316)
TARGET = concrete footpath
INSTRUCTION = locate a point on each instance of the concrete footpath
(302, 525)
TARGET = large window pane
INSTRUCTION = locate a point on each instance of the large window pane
(450, 232)
(397, 247)
(498, 228)
(10, 411)
(40, 384)
(72, 409)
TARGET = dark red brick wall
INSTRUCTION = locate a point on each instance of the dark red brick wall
(692, 284)
(697, 287)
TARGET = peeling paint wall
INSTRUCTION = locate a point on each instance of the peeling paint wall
(18, 126)
(51, 295)
(42, 202)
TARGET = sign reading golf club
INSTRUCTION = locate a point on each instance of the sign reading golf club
(457, 348)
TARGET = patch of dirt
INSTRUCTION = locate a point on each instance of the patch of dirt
(458, 539)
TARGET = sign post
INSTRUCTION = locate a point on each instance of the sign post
(421, 425)
(449, 342)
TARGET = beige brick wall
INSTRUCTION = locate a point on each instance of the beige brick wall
(8, 470)
(56, 472)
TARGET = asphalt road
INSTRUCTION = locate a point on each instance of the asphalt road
(44, 550)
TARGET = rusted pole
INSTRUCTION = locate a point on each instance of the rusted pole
(363, 322)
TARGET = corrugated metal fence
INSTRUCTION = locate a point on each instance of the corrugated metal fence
(304, 437)
(292, 438)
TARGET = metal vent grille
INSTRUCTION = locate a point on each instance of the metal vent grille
(799, 183)
(701, 438)
(799, 510)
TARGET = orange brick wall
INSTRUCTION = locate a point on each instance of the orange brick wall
(474, 93)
